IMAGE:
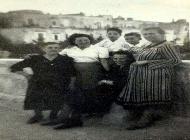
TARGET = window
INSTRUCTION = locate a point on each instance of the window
(30, 21)
(56, 37)
(54, 23)
(108, 26)
(62, 25)
(40, 37)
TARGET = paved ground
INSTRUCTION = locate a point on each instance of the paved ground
(13, 127)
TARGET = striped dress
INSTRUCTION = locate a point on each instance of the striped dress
(150, 84)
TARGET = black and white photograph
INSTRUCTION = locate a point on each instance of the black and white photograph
(94, 70)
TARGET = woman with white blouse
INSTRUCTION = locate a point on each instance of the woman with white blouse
(114, 41)
(90, 62)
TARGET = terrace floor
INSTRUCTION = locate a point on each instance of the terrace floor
(13, 127)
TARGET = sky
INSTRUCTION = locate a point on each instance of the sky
(149, 10)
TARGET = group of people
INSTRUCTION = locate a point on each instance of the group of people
(87, 79)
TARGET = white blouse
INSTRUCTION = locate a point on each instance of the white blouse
(142, 43)
(136, 49)
(90, 54)
(119, 44)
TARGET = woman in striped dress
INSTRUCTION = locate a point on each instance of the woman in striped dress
(149, 89)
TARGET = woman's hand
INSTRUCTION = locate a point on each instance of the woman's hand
(71, 86)
(141, 62)
(28, 56)
(108, 82)
(26, 75)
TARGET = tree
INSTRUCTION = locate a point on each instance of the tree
(5, 22)
(5, 44)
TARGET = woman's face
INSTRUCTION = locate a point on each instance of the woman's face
(82, 42)
(120, 59)
(153, 36)
(132, 39)
(52, 49)
(113, 35)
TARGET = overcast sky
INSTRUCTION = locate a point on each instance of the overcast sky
(151, 10)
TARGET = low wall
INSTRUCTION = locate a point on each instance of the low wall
(182, 89)
(11, 83)
(15, 85)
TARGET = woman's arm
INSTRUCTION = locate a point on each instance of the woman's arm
(20, 65)
(18, 68)
(72, 72)
(105, 63)
(103, 56)
(170, 55)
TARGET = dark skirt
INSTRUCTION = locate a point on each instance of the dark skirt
(42, 95)
(88, 75)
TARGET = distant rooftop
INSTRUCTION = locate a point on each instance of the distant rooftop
(119, 18)
(30, 11)
(76, 14)
(27, 11)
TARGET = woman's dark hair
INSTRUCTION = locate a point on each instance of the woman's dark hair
(133, 34)
(158, 29)
(43, 45)
(114, 29)
(123, 52)
(72, 38)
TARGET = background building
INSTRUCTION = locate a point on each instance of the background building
(24, 26)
